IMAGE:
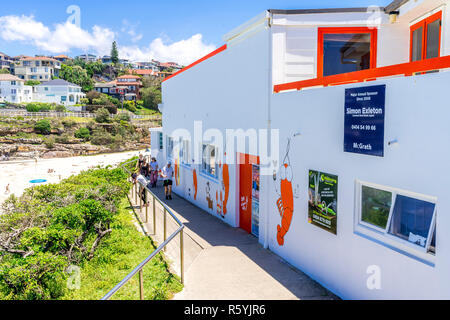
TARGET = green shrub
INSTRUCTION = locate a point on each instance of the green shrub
(102, 138)
(123, 117)
(102, 115)
(43, 127)
(60, 108)
(83, 133)
(49, 143)
(63, 139)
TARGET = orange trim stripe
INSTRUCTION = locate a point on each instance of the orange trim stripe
(406, 69)
(212, 54)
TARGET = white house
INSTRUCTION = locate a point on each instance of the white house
(59, 92)
(342, 166)
(14, 90)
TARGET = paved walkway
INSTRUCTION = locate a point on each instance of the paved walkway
(225, 263)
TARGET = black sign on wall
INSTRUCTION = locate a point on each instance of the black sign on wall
(364, 120)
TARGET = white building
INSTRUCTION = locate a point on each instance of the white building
(14, 90)
(59, 92)
(356, 104)
(37, 68)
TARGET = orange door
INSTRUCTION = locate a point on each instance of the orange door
(245, 190)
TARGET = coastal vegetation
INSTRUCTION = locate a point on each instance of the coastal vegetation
(76, 240)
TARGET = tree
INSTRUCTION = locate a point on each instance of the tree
(151, 97)
(83, 133)
(32, 83)
(4, 71)
(77, 75)
(114, 53)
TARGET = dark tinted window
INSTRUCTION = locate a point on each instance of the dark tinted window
(411, 219)
(433, 37)
(417, 44)
(345, 53)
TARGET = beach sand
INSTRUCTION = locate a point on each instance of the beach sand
(18, 174)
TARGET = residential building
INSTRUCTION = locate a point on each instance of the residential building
(132, 84)
(107, 60)
(37, 68)
(59, 92)
(87, 57)
(62, 58)
(14, 90)
(143, 72)
(6, 62)
(111, 89)
(341, 160)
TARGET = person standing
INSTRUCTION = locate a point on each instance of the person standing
(154, 167)
(145, 169)
(167, 174)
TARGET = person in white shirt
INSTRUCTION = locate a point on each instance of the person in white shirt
(167, 174)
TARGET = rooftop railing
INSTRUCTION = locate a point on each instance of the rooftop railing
(403, 69)
(137, 191)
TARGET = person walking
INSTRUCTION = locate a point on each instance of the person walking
(7, 191)
(154, 167)
(145, 169)
(167, 174)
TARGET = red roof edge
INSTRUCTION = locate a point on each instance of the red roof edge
(212, 54)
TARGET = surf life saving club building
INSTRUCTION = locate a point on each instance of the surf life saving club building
(354, 102)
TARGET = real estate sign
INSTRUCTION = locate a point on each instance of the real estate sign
(364, 120)
(323, 197)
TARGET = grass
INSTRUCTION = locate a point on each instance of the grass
(120, 253)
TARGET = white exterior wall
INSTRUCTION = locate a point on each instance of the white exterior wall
(23, 94)
(55, 94)
(220, 95)
(227, 91)
(419, 163)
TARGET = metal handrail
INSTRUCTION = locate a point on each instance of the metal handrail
(140, 267)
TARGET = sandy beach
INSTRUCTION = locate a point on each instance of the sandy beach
(18, 174)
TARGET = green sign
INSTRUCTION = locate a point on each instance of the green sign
(323, 196)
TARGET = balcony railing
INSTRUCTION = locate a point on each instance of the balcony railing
(403, 69)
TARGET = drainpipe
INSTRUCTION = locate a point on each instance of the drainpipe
(269, 127)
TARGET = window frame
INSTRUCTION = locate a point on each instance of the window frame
(424, 23)
(383, 235)
(346, 30)
(216, 162)
(185, 152)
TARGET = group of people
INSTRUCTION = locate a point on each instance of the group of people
(147, 175)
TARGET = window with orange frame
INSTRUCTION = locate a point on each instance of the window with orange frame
(346, 49)
(426, 38)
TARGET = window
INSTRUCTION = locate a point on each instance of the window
(426, 38)
(209, 160)
(161, 141)
(401, 218)
(170, 146)
(13, 83)
(13, 91)
(185, 152)
(342, 50)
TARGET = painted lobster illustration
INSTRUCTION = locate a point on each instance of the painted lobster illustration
(285, 203)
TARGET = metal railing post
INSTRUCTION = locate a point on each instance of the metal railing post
(165, 226)
(141, 194)
(154, 215)
(146, 205)
(141, 284)
(182, 256)
(136, 193)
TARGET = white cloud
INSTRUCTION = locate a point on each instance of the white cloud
(183, 52)
(64, 37)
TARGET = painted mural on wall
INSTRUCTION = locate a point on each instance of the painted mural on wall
(177, 172)
(285, 191)
(195, 183)
(223, 194)
(322, 203)
(209, 198)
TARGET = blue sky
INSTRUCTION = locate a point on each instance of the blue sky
(142, 28)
